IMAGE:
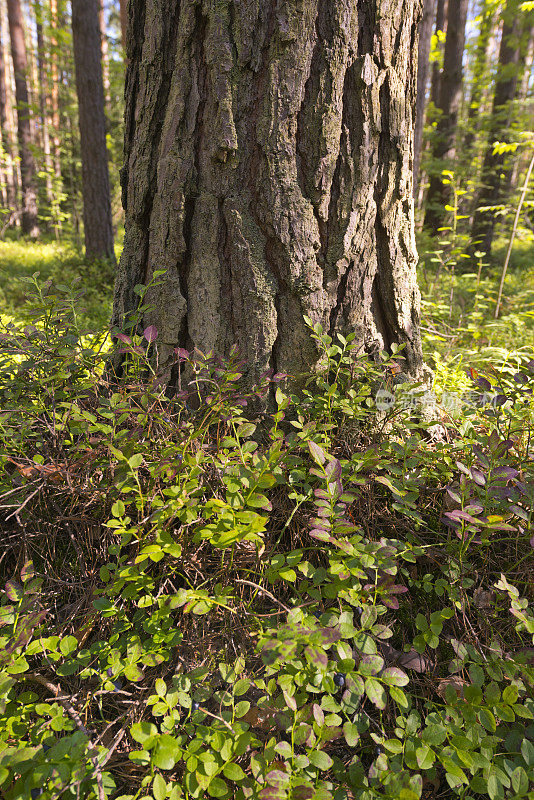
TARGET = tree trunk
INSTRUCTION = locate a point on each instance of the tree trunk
(496, 168)
(449, 105)
(6, 128)
(43, 101)
(98, 229)
(441, 27)
(124, 18)
(54, 93)
(27, 164)
(105, 52)
(488, 12)
(423, 69)
(268, 169)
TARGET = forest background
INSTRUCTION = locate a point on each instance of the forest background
(377, 554)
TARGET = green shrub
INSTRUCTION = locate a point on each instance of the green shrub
(255, 591)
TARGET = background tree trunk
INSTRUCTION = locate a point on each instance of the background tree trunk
(105, 52)
(54, 90)
(43, 101)
(27, 164)
(488, 13)
(423, 70)
(449, 105)
(6, 127)
(97, 220)
(441, 26)
(496, 169)
(268, 169)
(124, 17)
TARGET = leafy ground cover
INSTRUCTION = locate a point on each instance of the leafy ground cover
(325, 599)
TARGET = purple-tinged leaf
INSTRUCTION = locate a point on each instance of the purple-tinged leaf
(506, 473)
(478, 476)
(532, 542)
(454, 496)
(371, 664)
(150, 333)
(181, 354)
(316, 657)
(326, 636)
(458, 516)
(394, 676)
(27, 572)
(318, 715)
(483, 383)
(317, 453)
(322, 536)
(333, 469)
(123, 338)
(13, 591)
(302, 792)
(474, 508)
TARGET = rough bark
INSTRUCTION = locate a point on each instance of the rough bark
(6, 129)
(27, 163)
(268, 169)
(450, 96)
(496, 168)
(98, 229)
(423, 70)
(441, 26)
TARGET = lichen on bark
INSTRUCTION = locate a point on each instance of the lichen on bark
(268, 169)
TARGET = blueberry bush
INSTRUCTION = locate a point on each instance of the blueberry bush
(259, 591)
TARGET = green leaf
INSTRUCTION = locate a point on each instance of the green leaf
(352, 735)
(425, 757)
(487, 720)
(394, 746)
(434, 734)
(144, 733)
(320, 759)
(217, 788)
(167, 752)
(68, 645)
(454, 770)
(118, 509)
(246, 430)
(376, 692)
(135, 461)
(399, 697)
(159, 787)
(520, 781)
(494, 786)
(233, 772)
(527, 751)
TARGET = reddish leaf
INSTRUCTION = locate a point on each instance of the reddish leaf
(151, 333)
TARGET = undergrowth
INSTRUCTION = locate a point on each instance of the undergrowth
(204, 598)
